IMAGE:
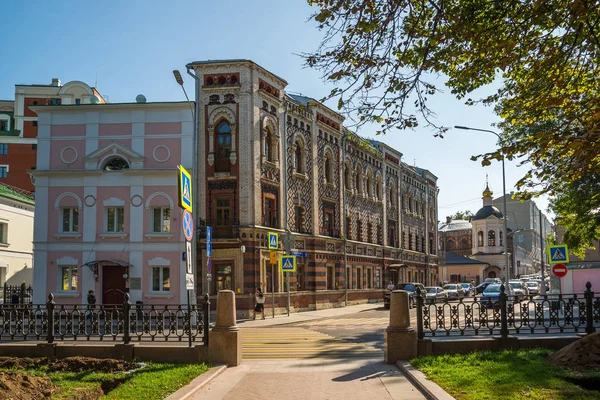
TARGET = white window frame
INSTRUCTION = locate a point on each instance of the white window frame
(116, 219)
(152, 222)
(71, 268)
(6, 166)
(71, 211)
(4, 233)
(161, 269)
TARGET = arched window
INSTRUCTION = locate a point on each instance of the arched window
(464, 244)
(491, 238)
(358, 181)
(298, 158)
(450, 245)
(392, 196)
(116, 164)
(480, 238)
(369, 184)
(223, 147)
(501, 238)
(347, 177)
(328, 170)
(268, 151)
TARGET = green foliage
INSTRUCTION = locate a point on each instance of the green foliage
(466, 215)
(501, 375)
(545, 55)
(577, 208)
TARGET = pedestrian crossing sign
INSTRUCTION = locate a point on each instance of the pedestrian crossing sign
(185, 189)
(287, 263)
(558, 254)
(273, 240)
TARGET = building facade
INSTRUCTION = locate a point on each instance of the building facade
(106, 200)
(579, 271)
(18, 143)
(16, 236)
(456, 236)
(350, 210)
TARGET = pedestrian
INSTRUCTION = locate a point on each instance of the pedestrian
(260, 303)
(91, 301)
(391, 286)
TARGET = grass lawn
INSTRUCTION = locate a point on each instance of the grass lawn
(523, 374)
(155, 381)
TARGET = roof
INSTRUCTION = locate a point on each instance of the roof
(455, 225)
(233, 60)
(16, 194)
(487, 211)
(455, 259)
(300, 99)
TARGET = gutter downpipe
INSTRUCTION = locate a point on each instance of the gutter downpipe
(344, 189)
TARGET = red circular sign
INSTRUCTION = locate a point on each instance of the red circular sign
(559, 270)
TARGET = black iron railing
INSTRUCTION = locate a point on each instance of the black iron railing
(123, 322)
(508, 315)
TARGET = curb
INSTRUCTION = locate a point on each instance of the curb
(197, 383)
(430, 389)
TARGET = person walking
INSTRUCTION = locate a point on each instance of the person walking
(391, 286)
(260, 303)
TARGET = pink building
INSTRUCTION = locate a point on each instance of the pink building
(106, 202)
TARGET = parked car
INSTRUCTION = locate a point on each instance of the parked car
(492, 293)
(534, 287)
(410, 288)
(469, 288)
(520, 289)
(455, 291)
(493, 280)
(481, 287)
(434, 294)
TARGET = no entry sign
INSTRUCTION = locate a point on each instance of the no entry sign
(559, 270)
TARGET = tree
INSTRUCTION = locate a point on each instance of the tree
(466, 215)
(578, 211)
(544, 54)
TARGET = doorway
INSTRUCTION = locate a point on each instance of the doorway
(113, 284)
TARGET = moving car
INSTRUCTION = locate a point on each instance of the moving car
(410, 288)
(492, 293)
(435, 293)
(534, 287)
(469, 288)
(520, 288)
(455, 291)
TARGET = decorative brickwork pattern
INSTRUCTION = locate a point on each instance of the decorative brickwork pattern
(300, 187)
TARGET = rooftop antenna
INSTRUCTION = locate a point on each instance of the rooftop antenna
(96, 81)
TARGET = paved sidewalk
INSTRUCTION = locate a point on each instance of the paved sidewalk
(313, 379)
(306, 316)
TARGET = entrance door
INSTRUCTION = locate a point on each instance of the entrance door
(113, 284)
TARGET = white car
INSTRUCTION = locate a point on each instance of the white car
(534, 287)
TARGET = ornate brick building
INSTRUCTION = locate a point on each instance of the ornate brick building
(271, 161)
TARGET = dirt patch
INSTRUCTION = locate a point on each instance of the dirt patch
(71, 364)
(580, 356)
(16, 385)
(20, 386)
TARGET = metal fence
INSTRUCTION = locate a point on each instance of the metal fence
(17, 294)
(125, 323)
(510, 315)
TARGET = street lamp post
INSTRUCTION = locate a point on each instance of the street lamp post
(504, 197)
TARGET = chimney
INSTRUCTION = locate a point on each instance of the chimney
(56, 82)
(448, 220)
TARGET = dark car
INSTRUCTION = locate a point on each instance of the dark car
(410, 288)
(481, 287)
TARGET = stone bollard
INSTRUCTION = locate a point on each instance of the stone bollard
(400, 338)
(225, 340)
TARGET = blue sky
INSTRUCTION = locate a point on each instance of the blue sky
(131, 47)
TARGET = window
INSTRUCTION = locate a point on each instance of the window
(223, 212)
(464, 243)
(358, 229)
(347, 179)
(358, 181)
(369, 232)
(3, 148)
(379, 235)
(77, 101)
(161, 279)
(70, 219)
(491, 238)
(410, 241)
(369, 185)
(450, 245)
(328, 218)
(68, 278)
(55, 102)
(392, 235)
(161, 219)
(480, 239)
(501, 238)
(298, 160)
(116, 164)
(267, 149)
(3, 125)
(223, 277)
(34, 123)
(392, 197)
(115, 219)
(3, 233)
(348, 228)
(270, 212)
(223, 147)
(3, 171)
(34, 147)
(298, 218)
(328, 169)
(423, 246)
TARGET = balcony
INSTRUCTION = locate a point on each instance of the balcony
(325, 231)
(225, 232)
(222, 165)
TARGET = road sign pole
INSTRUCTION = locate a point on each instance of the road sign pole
(272, 289)
(288, 290)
